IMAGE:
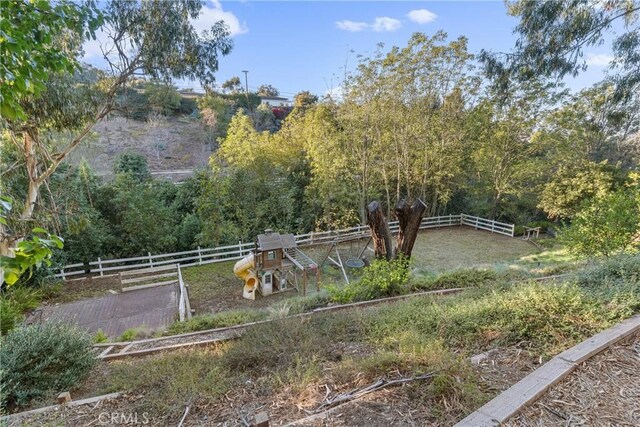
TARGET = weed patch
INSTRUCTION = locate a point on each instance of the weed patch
(219, 320)
(456, 279)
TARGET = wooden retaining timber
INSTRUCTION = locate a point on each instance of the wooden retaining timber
(87, 401)
(530, 388)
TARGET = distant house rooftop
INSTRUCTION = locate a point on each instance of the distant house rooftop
(271, 240)
(277, 101)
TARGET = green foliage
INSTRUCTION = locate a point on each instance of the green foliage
(611, 272)
(571, 185)
(30, 253)
(129, 335)
(133, 164)
(31, 50)
(549, 318)
(218, 320)
(10, 315)
(553, 37)
(163, 98)
(267, 90)
(100, 337)
(456, 279)
(134, 104)
(604, 225)
(40, 360)
(381, 279)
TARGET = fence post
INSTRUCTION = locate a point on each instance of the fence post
(100, 266)
(150, 260)
(240, 247)
(199, 256)
(476, 223)
(62, 274)
(450, 220)
(493, 225)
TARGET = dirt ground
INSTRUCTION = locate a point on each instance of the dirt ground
(603, 391)
(214, 288)
(169, 144)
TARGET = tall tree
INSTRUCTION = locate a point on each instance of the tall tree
(268, 90)
(153, 38)
(553, 36)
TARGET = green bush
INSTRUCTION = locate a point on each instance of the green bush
(613, 271)
(456, 279)
(381, 279)
(100, 337)
(41, 360)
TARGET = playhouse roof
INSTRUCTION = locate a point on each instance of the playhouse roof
(271, 241)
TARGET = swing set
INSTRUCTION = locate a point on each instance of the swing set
(355, 257)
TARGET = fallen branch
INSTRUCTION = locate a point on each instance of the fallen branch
(357, 393)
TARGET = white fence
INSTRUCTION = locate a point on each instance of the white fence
(200, 256)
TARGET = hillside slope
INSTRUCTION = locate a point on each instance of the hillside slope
(168, 143)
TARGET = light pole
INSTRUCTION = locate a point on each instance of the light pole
(246, 85)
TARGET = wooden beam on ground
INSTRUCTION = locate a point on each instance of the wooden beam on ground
(530, 388)
(87, 401)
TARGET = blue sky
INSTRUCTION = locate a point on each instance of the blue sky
(303, 45)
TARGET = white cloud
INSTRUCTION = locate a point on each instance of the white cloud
(211, 15)
(599, 59)
(208, 17)
(421, 16)
(352, 26)
(386, 24)
(381, 23)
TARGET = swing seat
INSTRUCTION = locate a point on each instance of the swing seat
(355, 263)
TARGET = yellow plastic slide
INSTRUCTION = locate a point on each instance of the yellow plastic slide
(244, 269)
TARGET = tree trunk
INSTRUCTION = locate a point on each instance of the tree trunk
(409, 219)
(380, 233)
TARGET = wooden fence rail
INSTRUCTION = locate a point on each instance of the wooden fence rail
(200, 256)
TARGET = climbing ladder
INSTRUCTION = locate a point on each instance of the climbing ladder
(299, 258)
(303, 263)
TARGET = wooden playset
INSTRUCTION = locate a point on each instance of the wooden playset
(276, 266)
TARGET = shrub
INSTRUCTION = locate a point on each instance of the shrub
(381, 279)
(613, 271)
(100, 337)
(24, 298)
(41, 360)
(604, 226)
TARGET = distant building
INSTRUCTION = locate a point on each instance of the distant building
(276, 101)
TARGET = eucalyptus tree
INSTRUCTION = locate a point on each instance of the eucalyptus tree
(152, 38)
(553, 36)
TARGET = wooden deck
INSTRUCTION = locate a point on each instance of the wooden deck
(150, 309)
